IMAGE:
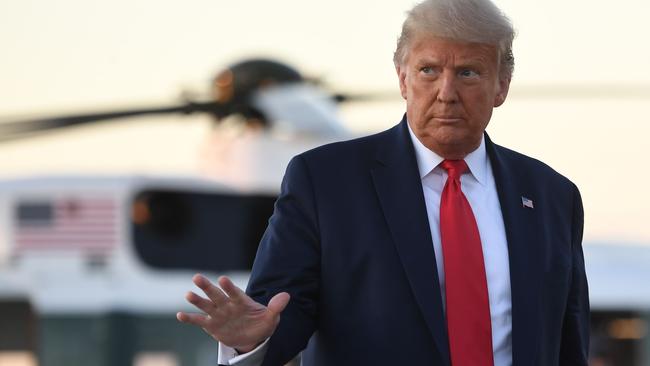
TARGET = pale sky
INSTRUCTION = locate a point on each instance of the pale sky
(71, 55)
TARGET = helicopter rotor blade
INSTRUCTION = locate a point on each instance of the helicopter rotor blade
(26, 128)
(365, 97)
(14, 130)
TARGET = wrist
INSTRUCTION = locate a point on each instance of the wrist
(245, 349)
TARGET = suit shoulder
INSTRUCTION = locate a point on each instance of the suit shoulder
(534, 168)
(356, 149)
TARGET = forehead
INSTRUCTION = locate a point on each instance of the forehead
(445, 49)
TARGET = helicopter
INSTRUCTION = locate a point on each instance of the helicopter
(94, 267)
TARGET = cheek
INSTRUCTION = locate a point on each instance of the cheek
(479, 103)
(421, 93)
(480, 118)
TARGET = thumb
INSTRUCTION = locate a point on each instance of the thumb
(278, 302)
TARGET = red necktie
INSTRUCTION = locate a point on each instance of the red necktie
(468, 308)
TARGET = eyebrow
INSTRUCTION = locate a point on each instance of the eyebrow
(428, 61)
(475, 64)
(461, 61)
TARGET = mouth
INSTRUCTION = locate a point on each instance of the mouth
(448, 120)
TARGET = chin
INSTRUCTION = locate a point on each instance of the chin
(451, 139)
(455, 147)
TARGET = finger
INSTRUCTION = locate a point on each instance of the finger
(195, 319)
(278, 302)
(234, 292)
(213, 292)
(205, 305)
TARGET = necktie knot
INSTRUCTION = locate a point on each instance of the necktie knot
(454, 168)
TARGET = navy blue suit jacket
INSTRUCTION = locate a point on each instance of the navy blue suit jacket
(350, 241)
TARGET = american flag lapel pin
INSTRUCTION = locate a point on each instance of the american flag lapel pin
(527, 202)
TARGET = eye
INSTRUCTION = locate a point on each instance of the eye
(469, 73)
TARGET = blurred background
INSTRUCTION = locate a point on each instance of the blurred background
(103, 224)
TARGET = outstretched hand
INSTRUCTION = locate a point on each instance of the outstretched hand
(232, 317)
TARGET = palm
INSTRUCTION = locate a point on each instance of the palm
(232, 317)
(243, 323)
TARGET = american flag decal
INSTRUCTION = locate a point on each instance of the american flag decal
(527, 202)
(86, 223)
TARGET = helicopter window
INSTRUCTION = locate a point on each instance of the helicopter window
(18, 331)
(199, 231)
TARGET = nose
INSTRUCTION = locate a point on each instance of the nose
(447, 92)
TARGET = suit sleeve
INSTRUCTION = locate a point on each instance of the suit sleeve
(575, 332)
(288, 259)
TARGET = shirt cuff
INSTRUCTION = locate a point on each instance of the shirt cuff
(229, 356)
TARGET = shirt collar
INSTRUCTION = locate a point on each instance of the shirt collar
(428, 160)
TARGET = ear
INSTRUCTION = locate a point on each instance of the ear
(502, 91)
(401, 75)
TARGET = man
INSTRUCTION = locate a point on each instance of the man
(426, 244)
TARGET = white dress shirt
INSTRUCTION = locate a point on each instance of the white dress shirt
(228, 355)
(479, 188)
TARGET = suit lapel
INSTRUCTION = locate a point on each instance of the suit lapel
(524, 251)
(399, 189)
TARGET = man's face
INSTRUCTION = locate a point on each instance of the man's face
(450, 88)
